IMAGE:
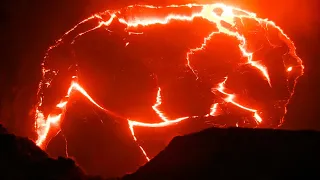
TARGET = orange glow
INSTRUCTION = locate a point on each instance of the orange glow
(230, 99)
(229, 15)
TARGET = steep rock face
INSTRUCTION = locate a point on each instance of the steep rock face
(236, 153)
(20, 158)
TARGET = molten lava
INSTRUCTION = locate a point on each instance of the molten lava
(226, 23)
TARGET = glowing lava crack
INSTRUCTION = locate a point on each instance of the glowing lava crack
(225, 23)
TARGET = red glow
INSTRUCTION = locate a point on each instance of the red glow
(229, 15)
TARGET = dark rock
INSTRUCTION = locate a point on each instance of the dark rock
(210, 154)
(236, 153)
(20, 158)
(3, 130)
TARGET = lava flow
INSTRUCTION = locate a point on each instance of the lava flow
(227, 22)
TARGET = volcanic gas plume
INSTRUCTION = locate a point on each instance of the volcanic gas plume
(252, 36)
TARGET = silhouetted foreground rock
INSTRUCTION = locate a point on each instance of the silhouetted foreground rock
(21, 159)
(236, 153)
(209, 154)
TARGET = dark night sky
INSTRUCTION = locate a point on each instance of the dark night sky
(29, 27)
